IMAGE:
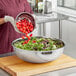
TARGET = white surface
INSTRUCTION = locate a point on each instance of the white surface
(54, 29)
(68, 35)
(62, 10)
(46, 18)
(3, 73)
(64, 72)
(74, 74)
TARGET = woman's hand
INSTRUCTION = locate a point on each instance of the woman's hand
(9, 19)
(12, 21)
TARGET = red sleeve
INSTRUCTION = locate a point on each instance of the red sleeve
(28, 7)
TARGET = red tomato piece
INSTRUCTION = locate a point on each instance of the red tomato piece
(34, 41)
(31, 35)
(23, 37)
(26, 27)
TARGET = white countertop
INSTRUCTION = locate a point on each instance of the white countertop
(64, 72)
(43, 18)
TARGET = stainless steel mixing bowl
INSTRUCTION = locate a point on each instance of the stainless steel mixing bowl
(24, 15)
(38, 56)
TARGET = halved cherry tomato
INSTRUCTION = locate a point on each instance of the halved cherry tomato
(34, 41)
(31, 35)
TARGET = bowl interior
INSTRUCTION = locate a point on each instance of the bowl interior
(20, 39)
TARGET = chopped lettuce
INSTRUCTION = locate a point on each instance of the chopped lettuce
(40, 44)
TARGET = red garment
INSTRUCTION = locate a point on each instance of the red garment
(7, 32)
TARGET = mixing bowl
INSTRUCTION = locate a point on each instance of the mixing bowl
(22, 16)
(38, 56)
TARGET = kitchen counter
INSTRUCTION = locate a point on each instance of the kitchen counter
(44, 18)
(63, 72)
(4, 73)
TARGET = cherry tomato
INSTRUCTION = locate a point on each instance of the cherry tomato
(34, 41)
(26, 27)
(31, 35)
(23, 37)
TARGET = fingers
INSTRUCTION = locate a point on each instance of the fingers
(8, 19)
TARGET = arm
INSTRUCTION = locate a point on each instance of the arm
(2, 21)
(7, 19)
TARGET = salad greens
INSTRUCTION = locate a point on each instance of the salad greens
(39, 44)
